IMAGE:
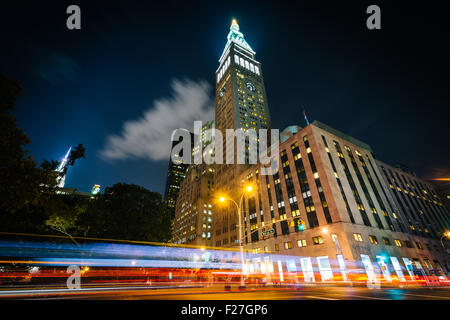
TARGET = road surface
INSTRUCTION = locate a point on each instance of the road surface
(218, 292)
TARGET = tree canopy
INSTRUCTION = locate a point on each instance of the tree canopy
(29, 202)
(127, 212)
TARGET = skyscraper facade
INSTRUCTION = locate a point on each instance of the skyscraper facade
(193, 219)
(241, 103)
(333, 204)
(330, 206)
(175, 174)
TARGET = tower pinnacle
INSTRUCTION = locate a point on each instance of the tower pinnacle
(236, 36)
(234, 25)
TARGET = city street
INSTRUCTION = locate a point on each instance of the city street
(304, 292)
(188, 157)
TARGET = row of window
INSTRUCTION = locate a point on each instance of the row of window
(422, 212)
(239, 61)
(318, 240)
(373, 239)
(300, 243)
(223, 69)
(245, 64)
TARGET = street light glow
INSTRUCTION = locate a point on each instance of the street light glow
(222, 199)
(325, 230)
(249, 188)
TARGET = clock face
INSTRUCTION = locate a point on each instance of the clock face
(251, 86)
(222, 91)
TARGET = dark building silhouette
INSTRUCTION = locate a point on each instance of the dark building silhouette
(175, 175)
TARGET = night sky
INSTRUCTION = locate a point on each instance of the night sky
(388, 87)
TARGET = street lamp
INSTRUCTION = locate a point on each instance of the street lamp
(446, 234)
(247, 189)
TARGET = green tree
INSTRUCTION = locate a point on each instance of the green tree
(27, 191)
(127, 212)
(64, 211)
(19, 175)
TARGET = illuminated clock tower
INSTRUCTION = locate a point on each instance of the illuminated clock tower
(241, 102)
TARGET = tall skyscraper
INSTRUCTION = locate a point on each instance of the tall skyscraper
(175, 175)
(241, 103)
(240, 93)
(192, 223)
(62, 170)
(330, 205)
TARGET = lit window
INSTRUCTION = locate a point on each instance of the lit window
(252, 67)
(373, 239)
(301, 243)
(277, 247)
(316, 175)
(257, 70)
(317, 240)
(398, 243)
(236, 59)
(241, 62)
(288, 245)
(247, 66)
(358, 237)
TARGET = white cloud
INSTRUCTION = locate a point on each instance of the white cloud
(149, 136)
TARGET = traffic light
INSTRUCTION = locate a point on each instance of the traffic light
(301, 225)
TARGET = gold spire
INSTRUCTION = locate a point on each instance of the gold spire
(234, 25)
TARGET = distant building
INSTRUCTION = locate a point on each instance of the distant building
(73, 192)
(175, 175)
(95, 189)
(422, 208)
(62, 170)
(192, 223)
(194, 212)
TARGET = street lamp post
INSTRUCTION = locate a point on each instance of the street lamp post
(241, 244)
